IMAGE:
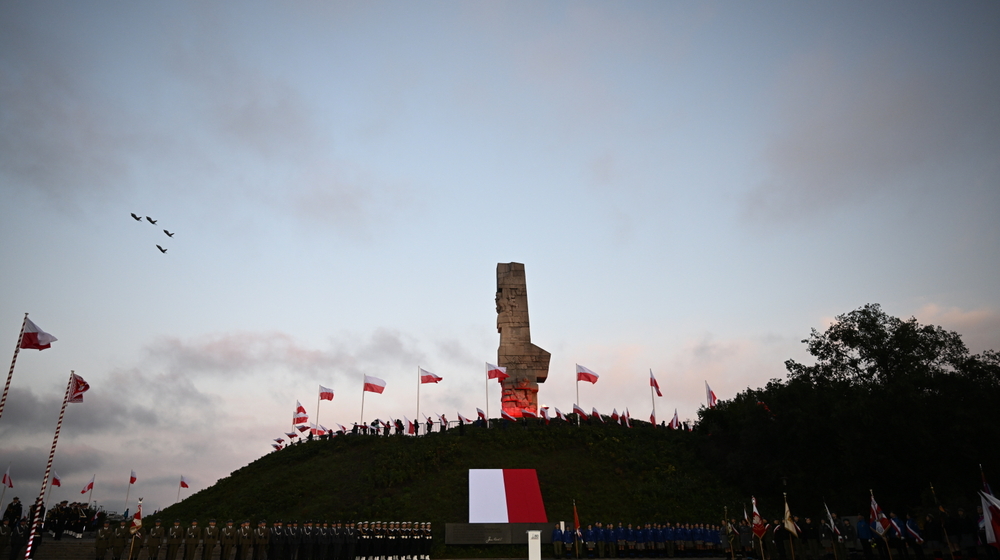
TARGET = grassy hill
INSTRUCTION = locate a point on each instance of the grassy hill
(614, 474)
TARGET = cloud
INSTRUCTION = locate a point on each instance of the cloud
(891, 125)
(980, 328)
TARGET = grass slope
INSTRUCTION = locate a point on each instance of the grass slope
(613, 473)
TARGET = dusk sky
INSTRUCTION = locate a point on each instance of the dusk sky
(692, 187)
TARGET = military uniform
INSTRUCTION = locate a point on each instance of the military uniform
(209, 538)
(118, 540)
(244, 540)
(261, 540)
(135, 542)
(227, 538)
(103, 540)
(292, 536)
(192, 537)
(155, 541)
(175, 536)
(276, 541)
(307, 539)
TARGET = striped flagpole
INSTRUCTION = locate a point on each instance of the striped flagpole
(10, 374)
(40, 504)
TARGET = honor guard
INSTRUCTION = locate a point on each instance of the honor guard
(261, 539)
(103, 541)
(292, 536)
(350, 542)
(227, 539)
(244, 540)
(118, 540)
(155, 540)
(276, 542)
(175, 536)
(209, 538)
(307, 538)
(192, 538)
(136, 541)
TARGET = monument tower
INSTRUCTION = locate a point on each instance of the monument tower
(527, 365)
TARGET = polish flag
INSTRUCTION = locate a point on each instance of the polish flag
(496, 372)
(584, 374)
(279, 440)
(184, 482)
(7, 480)
(596, 415)
(505, 416)
(131, 478)
(614, 415)
(991, 518)
(77, 389)
(442, 419)
(579, 411)
(300, 416)
(560, 415)
(316, 430)
(710, 396)
(35, 338)
(759, 527)
(291, 434)
(463, 420)
(374, 384)
(878, 520)
(325, 393)
(136, 524)
(545, 414)
(654, 384)
(302, 427)
(528, 413)
(428, 377)
(652, 418)
(482, 415)
(505, 496)
(628, 418)
(56, 481)
(675, 424)
(276, 446)
(89, 486)
(411, 427)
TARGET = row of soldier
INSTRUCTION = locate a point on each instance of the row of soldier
(643, 541)
(310, 541)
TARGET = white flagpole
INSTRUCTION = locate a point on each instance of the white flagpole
(418, 391)
(179, 489)
(91, 493)
(362, 402)
(578, 397)
(10, 374)
(318, 398)
(40, 503)
(488, 395)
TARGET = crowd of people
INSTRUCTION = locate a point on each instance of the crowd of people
(652, 540)
(310, 540)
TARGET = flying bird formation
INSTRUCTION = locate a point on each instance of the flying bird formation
(152, 221)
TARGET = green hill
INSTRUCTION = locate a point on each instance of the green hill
(614, 473)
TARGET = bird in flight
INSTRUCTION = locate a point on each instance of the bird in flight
(150, 220)
(162, 250)
(168, 233)
(137, 218)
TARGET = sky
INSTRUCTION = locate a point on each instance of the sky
(692, 187)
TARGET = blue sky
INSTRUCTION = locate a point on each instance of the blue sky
(692, 187)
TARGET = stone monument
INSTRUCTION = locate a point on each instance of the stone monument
(527, 365)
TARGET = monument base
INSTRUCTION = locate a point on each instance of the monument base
(494, 533)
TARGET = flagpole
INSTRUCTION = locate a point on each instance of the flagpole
(654, 402)
(487, 396)
(91, 494)
(179, 490)
(40, 503)
(418, 391)
(318, 398)
(578, 397)
(127, 490)
(10, 374)
(362, 404)
(941, 519)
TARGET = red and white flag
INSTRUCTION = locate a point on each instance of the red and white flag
(675, 424)
(315, 430)
(56, 481)
(496, 372)
(411, 427)
(654, 384)
(35, 338)
(442, 420)
(279, 440)
(877, 519)
(652, 418)
(276, 446)
(184, 482)
(374, 384)
(991, 518)
(482, 415)
(302, 427)
(545, 414)
(596, 415)
(136, 524)
(291, 434)
(7, 480)
(325, 393)
(505, 496)
(710, 396)
(89, 486)
(428, 377)
(525, 413)
(560, 415)
(584, 374)
(131, 477)
(300, 416)
(614, 415)
(759, 527)
(628, 418)
(463, 420)
(506, 416)
(579, 411)
(77, 388)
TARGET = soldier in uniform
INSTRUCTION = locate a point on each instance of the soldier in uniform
(13, 512)
(155, 540)
(276, 541)
(244, 540)
(136, 542)
(292, 536)
(209, 538)
(261, 541)
(103, 540)
(192, 537)
(118, 538)
(175, 536)
(323, 539)
(351, 542)
(307, 539)
(227, 538)
(363, 540)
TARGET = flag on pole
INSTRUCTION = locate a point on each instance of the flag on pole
(463, 419)
(528, 413)
(654, 384)
(830, 522)
(89, 486)
(428, 377)
(596, 415)
(579, 411)
(279, 440)
(300, 416)
(56, 481)
(505, 416)
(136, 524)
(184, 482)
(878, 519)
(628, 418)
(675, 424)
(276, 446)
(77, 389)
(35, 338)
(7, 480)
(652, 418)
(302, 427)
(325, 393)
(576, 518)
(560, 415)
(614, 415)
(789, 523)
(291, 434)
(482, 415)
(991, 518)
(545, 414)
(496, 372)
(131, 477)
(584, 374)
(374, 384)
(710, 396)
(411, 427)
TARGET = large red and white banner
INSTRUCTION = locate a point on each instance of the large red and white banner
(505, 496)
